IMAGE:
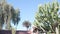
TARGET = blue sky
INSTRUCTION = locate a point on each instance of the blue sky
(27, 9)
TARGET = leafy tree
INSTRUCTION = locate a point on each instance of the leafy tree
(47, 16)
(27, 24)
(8, 14)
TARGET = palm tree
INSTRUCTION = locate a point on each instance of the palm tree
(27, 24)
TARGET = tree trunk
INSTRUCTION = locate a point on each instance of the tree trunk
(0, 26)
(57, 30)
(8, 23)
(13, 31)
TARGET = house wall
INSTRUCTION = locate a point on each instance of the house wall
(9, 32)
(5, 32)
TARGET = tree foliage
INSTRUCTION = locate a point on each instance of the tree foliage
(47, 16)
(27, 24)
(8, 14)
